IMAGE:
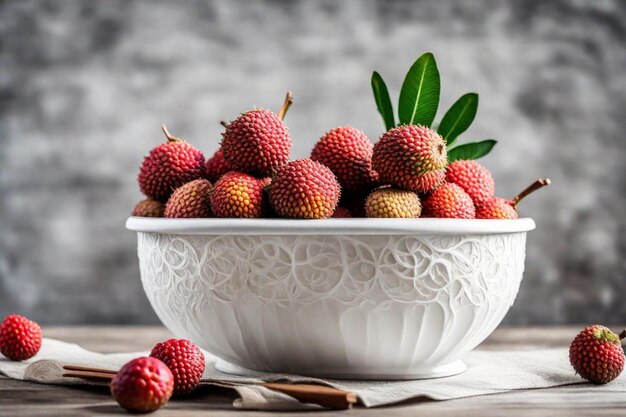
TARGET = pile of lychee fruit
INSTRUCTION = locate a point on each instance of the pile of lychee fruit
(410, 172)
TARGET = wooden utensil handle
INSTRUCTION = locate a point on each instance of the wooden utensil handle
(317, 394)
(88, 369)
(89, 375)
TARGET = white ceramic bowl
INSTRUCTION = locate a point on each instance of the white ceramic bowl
(342, 298)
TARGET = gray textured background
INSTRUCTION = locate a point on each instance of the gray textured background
(84, 86)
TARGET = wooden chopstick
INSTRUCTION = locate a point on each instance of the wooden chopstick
(88, 369)
(328, 397)
(88, 375)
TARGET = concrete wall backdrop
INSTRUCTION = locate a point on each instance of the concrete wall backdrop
(84, 86)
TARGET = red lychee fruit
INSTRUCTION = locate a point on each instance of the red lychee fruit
(500, 208)
(597, 354)
(496, 208)
(20, 338)
(191, 200)
(168, 166)
(216, 166)
(449, 201)
(258, 141)
(304, 189)
(428, 182)
(143, 385)
(472, 177)
(393, 203)
(149, 208)
(348, 153)
(184, 359)
(405, 154)
(238, 195)
(341, 213)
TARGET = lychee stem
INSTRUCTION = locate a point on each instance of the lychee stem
(541, 182)
(286, 104)
(622, 335)
(223, 123)
(169, 136)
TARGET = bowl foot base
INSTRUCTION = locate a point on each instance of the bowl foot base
(440, 371)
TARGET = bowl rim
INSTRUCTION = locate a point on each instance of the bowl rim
(350, 226)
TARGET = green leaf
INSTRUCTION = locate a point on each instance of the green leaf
(419, 96)
(383, 102)
(472, 150)
(459, 117)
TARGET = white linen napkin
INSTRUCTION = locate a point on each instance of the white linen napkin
(488, 372)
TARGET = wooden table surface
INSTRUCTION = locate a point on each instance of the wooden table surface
(19, 398)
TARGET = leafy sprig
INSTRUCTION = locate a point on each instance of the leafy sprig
(418, 104)
(472, 150)
(383, 102)
(458, 118)
(419, 95)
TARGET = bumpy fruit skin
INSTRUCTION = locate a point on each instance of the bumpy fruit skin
(184, 359)
(341, 213)
(149, 208)
(428, 182)
(257, 143)
(449, 201)
(238, 195)
(20, 338)
(191, 200)
(167, 167)
(403, 155)
(304, 189)
(496, 208)
(597, 354)
(393, 203)
(474, 178)
(143, 385)
(216, 166)
(348, 153)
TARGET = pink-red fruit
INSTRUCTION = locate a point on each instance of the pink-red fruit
(348, 153)
(238, 195)
(168, 166)
(149, 208)
(257, 143)
(304, 189)
(184, 359)
(143, 385)
(20, 338)
(597, 354)
(428, 182)
(500, 208)
(191, 200)
(406, 154)
(472, 177)
(216, 166)
(341, 213)
(449, 201)
(496, 208)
